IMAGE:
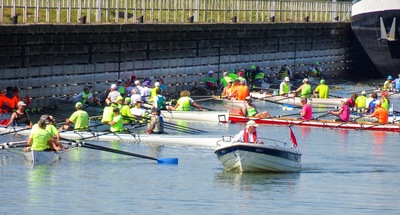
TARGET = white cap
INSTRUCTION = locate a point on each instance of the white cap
(113, 86)
(248, 98)
(287, 79)
(21, 103)
(305, 80)
(157, 84)
(210, 72)
(363, 92)
(378, 102)
(251, 123)
(137, 82)
(344, 100)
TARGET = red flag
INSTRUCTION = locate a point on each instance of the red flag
(293, 138)
(28, 100)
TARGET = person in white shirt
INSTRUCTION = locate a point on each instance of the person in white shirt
(113, 95)
(249, 134)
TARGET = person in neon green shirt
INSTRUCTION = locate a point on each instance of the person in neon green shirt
(126, 110)
(79, 118)
(184, 103)
(117, 122)
(40, 139)
(51, 129)
(304, 89)
(210, 81)
(225, 80)
(360, 100)
(322, 90)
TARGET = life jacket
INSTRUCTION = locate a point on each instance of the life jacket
(184, 104)
(306, 91)
(285, 88)
(246, 136)
(251, 111)
(85, 96)
(259, 75)
(385, 104)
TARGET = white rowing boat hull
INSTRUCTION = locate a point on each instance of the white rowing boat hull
(162, 139)
(332, 102)
(41, 157)
(205, 116)
(245, 157)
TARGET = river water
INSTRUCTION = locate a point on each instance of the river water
(343, 172)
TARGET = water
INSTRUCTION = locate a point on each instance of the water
(343, 172)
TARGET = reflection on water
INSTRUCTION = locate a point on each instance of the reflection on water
(40, 178)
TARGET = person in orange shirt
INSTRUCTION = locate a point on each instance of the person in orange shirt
(243, 91)
(380, 113)
(226, 93)
(235, 88)
(7, 104)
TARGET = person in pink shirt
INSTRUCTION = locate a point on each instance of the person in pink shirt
(343, 113)
(306, 112)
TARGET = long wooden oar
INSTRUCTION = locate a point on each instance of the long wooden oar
(102, 148)
(355, 119)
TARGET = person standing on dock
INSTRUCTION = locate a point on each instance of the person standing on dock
(306, 112)
(322, 90)
(249, 134)
(79, 118)
(343, 113)
(284, 87)
(304, 89)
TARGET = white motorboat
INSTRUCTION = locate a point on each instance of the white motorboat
(41, 157)
(247, 157)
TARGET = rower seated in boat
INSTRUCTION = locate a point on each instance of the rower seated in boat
(184, 103)
(304, 89)
(380, 113)
(156, 125)
(306, 112)
(249, 134)
(116, 124)
(40, 139)
(138, 112)
(52, 130)
(249, 109)
(20, 117)
(79, 118)
(343, 113)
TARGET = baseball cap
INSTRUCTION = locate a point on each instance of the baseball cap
(78, 105)
(137, 82)
(139, 100)
(157, 84)
(378, 102)
(287, 79)
(363, 92)
(21, 103)
(128, 99)
(156, 110)
(119, 81)
(119, 98)
(344, 100)
(322, 81)
(113, 86)
(305, 80)
(210, 72)
(389, 77)
(232, 70)
(240, 73)
(146, 83)
(251, 123)
(230, 81)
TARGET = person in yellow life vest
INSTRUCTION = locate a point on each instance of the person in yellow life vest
(249, 134)
(304, 89)
(385, 102)
(120, 102)
(225, 80)
(116, 124)
(284, 87)
(322, 90)
(184, 103)
(86, 97)
(126, 111)
(243, 91)
(153, 91)
(226, 92)
(120, 87)
(360, 100)
(210, 81)
(79, 118)
(249, 109)
(388, 85)
(40, 139)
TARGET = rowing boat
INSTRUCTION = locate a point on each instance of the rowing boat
(205, 116)
(162, 139)
(393, 127)
(34, 157)
(296, 101)
(245, 157)
(391, 118)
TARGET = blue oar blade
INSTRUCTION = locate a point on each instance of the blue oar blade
(167, 161)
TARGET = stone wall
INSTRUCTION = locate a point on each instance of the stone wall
(58, 60)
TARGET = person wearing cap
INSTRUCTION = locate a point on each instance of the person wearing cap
(20, 117)
(242, 91)
(360, 100)
(120, 102)
(343, 113)
(227, 91)
(397, 83)
(388, 85)
(257, 78)
(371, 104)
(315, 70)
(153, 91)
(159, 101)
(184, 103)
(112, 95)
(138, 111)
(250, 110)
(225, 80)
(145, 91)
(126, 110)
(306, 111)
(210, 81)
(304, 89)
(385, 103)
(232, 74)
(249, 134)
(79, 118)
(381, 113)
(241, 77)
(322, 90)
(116, 124)
(284, 72)
(120, 87)
(40, 139)
(163, 87)
(135, 96)
(52, 130)
(234, 89)
(284, 87)
(156, 125)
(86, 97)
